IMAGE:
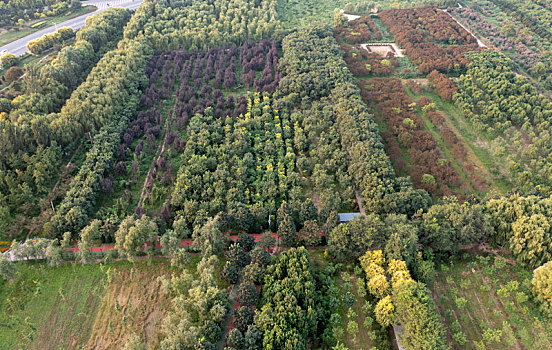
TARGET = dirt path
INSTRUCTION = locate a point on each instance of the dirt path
(232, 300)
(158, 154)
(479, 42)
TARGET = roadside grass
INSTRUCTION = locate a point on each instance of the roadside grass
(486, 303)
(12, 35)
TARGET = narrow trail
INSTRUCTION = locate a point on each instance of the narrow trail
(232, 300)
(158, 154)
(359, 202)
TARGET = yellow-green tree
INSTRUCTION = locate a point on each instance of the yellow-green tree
(542, 286)
(385, 311)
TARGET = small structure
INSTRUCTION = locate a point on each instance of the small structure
(344, 217)
(383, 49)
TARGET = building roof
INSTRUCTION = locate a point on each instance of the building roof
(344, 217)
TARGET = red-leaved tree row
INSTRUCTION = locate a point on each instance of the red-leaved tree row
(406, 128)
(360, 30)
(444, 87)
(431, 38)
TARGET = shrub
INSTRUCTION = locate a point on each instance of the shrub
(8, 60)
(247, 294)
(385, 311)
(13, 74)
(243, 317)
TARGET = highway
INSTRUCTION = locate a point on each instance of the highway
(19, 47)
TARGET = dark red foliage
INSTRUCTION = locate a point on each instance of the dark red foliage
(360, 30)
(431, 38)
(443, 85)
(407, 129)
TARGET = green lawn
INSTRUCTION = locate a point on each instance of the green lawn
(485, 303)
(12, 35)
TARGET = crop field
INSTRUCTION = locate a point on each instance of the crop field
(74, 304)
(485, 303)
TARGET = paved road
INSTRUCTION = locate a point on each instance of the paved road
(19, 47)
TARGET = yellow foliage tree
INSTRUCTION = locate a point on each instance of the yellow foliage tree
(385, 311)
(378, 286)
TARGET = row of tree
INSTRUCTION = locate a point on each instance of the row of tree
(48, 41)
(27, 136)
(512, 39)
(403, 301)
(112, 90)
(506, 108)
(184, 24)
(308, 77)
(429, 169)
(19, 11)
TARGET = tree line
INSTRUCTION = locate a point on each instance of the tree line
(19, 11)
(508, 110)
(27, 134)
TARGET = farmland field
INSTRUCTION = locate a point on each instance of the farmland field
(485, 302)
(74, 305)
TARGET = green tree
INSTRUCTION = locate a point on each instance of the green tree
(209, 237)
(132, 235)
(235, 339)
(170, 245)
(402, 243)
(54, 253)
(414, 309)
(87, 236)
(531, 240)
(243, 317)
(288, 315)
(542, 286)
(286, 227)
(353, 239)
(8, 60)
(7, 268)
